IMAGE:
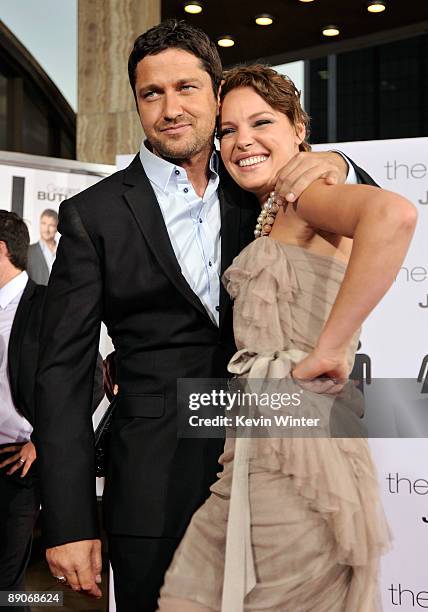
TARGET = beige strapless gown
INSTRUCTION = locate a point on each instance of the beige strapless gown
(292, 524)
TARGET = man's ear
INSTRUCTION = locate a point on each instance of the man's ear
(218, 97)
(4, 251)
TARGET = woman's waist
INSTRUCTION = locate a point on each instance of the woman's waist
(293, 351)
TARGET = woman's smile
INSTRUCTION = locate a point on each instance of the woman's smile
(252, 162)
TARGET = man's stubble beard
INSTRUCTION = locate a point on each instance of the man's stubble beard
(185, 150)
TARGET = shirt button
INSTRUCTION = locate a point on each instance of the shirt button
(177, 172)
(209, 263)
(200, 220)
(217, 308)
(185, 190)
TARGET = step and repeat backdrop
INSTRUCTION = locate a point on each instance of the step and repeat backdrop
(394, 343)
(30, 189)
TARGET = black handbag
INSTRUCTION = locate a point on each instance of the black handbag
(102, 440)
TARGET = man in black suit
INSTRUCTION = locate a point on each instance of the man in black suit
(143, 251)
(21, 302)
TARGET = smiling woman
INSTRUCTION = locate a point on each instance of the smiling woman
(261, 126)
(256, 140)
(277, 90)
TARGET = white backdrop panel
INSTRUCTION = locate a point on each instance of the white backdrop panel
(395, 336)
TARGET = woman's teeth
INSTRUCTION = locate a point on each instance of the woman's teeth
(251, 161)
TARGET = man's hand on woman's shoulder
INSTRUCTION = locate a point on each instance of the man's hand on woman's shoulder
(305, 168)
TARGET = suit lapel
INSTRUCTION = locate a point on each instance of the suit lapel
(230, 218)
(230, 211)
(142, 201)
(16, 336)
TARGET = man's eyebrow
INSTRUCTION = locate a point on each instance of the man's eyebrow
(157, 87)
(149, 87)
(190, 80)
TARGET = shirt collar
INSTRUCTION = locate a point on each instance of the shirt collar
(12, 289)
(159, 170)
(45, 248)
(214, 162)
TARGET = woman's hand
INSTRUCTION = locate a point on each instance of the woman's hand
(323, 372)
(23, 458)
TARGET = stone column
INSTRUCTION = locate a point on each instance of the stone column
(107, 120)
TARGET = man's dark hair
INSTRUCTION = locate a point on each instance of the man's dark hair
(174, 34)
(14, 232)
(49, 212)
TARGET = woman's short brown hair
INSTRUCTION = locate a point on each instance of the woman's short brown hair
(276, 89)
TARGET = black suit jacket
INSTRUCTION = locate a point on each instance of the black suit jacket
(115, 263)
(23, 348)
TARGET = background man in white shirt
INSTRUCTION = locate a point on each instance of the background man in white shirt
(41, 254)
(21, 303)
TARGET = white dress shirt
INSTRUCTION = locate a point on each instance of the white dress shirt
(193, 225)
(351, 178)
(13, 426)
(47, 254)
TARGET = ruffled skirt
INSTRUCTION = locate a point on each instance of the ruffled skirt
(316, 528)
(300, 565)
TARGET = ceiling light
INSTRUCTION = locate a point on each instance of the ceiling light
(225, 41)
(264, 19)
(330, 30)
(193, 7)
(306, 0)
(376, 6)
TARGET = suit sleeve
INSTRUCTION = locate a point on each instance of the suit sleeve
(363, 177)
(69, 340)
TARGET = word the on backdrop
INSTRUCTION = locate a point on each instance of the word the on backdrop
(402, 485)
(401, 596)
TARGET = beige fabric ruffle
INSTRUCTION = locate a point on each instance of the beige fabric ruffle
(237, 553)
